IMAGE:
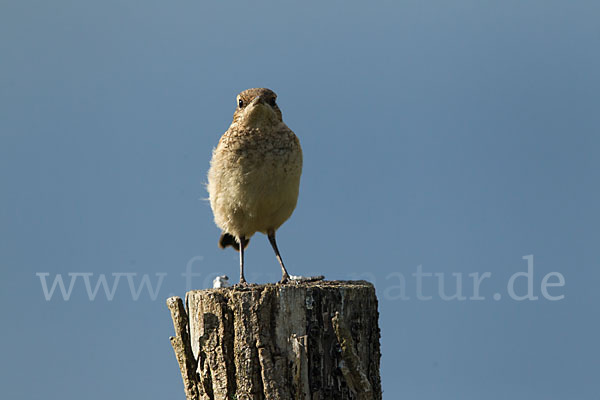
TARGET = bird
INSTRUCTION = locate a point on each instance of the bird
(254, 174)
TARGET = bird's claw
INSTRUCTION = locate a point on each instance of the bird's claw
(241, 284)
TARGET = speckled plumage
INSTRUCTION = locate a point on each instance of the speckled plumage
(255, 170)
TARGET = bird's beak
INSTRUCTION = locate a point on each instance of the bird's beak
(258, 106)
(259, 112)
(257, 99)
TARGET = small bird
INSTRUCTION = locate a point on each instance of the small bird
(254, 174)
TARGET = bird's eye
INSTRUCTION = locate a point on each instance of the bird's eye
(272, 101)
(241, 103)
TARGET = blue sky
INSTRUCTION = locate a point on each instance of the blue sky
(456, 136)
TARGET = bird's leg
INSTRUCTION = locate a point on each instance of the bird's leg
(284, 274)
(243, 242)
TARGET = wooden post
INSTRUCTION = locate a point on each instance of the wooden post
(309, 340)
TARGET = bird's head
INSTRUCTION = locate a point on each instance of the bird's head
(257, 108)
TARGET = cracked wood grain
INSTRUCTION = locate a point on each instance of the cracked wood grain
(309, 340)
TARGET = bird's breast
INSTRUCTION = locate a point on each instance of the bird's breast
(254, 179)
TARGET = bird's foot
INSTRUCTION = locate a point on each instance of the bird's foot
(299, 279)
(311, 278)
(242, 284)
(285, 278)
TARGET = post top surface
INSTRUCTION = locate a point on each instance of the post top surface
(327, 285)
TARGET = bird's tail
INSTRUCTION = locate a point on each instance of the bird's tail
(229, 240)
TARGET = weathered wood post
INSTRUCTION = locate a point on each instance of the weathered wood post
(310, 340)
